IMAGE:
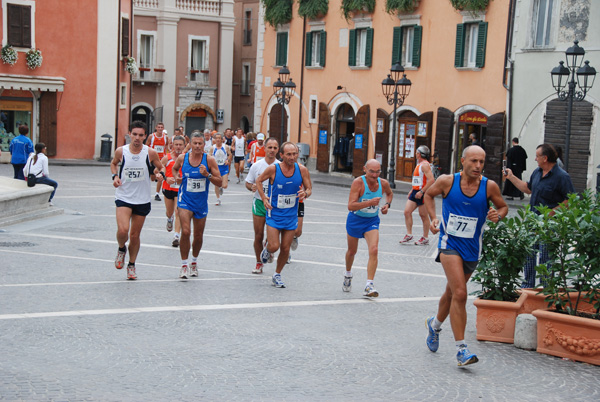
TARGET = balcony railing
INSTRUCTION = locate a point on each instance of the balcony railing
(198, 77)
(149, 74)
(204, 7)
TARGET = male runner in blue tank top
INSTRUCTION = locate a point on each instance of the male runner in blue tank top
(285, 182)
(465, 209)
(363, 220)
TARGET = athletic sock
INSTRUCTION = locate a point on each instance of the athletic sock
(184, 262)
(461, 344)
(348, 274)
(369, 282)
(176, 235)
(123, 249)
(131, 264)
(436, 324)
(194, 260)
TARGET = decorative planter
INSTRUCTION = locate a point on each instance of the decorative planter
(568, 336)
(537, 301)
(496, 319)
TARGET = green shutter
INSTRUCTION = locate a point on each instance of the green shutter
(369, 49)
(285, 50)
(416, 56)
(397, 45)
(459, 52)
(281, 57)
(308, 49)
(352, 48)
(323, 47)
(481, 42)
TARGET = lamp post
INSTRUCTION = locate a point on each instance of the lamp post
(395, 90)
(576, 89)
(283, 89)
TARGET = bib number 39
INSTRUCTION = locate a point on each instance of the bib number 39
(196, 185)
(461, 226)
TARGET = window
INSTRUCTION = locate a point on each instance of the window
(124, 37)
(123, 102)
(360, 48)
(146, 51)
(313, 113)
(245, 87)
(197, 56)
(282, 45)
(315, 48)
(542, 20)
(470, 45)
(406, 45)
(18, 24)
(248, 27)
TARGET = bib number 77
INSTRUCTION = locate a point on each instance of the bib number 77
(461, 226)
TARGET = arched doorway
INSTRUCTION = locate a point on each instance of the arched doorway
(143, 114)
(245, 124)
(276, 116)
(470, 122)
(343, 144)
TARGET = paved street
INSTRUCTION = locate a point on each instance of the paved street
(73, 328)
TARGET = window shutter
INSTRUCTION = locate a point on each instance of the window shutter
(308, 49)
(323, 47)
(369, 48)
(481, 43)
(352, 48)
(416, 56)
(397, 45)
(26, 25)
(459, 52)
(14, 25)
(124, 37)
(281, 58)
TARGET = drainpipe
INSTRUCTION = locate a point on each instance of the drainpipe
(131, 49)
(301, 80)
(118, 102)
(509, 66)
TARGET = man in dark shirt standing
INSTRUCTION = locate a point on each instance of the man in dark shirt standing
(516, 160)
(549, 186)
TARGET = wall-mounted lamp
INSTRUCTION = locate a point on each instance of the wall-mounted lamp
(339, 87)
(198, 94)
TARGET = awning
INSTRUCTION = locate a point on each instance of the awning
(32, 83)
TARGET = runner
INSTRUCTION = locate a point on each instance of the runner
(239, 147)
(198, 170)
(464, 212)
(285, 180)
(133, 195)
(363, 221)
(222, 154)
(159, 141)
(257, 150)
(170, 187)
(258, 208)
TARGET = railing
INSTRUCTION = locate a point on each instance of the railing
(145, 3)
(198, 77)
(206, 7)
(149, 74)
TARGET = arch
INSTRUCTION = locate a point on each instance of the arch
(467, 108)
(142, 104)
(195, 106)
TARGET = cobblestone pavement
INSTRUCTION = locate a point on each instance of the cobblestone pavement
(73, 328)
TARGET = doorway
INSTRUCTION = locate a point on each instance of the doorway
(469, 123)
(343, 146)
(275, 123)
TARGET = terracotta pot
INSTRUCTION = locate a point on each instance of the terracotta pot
(496, 319)
(573, 337)
(537, 302)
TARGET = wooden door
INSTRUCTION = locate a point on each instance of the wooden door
(48, 119)
(406, 146)
(323, 139)
(361, 140)
(443, 139)
(495, 140)
(275, 117)
(382, 131)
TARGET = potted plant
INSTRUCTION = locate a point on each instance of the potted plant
(278, 12)
(313, 8)
(401, 6)
(470, 5)
(505, 247)
(33, 59)
(9, 55)
(352, 6)
(572, 235)
(130, 65)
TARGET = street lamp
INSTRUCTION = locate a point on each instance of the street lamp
(283, 89)
(395, 90)
(585, 79)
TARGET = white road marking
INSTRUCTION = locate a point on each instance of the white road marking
(25, 285)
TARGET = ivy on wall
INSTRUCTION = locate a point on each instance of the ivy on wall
(313, 8)
(278, 12)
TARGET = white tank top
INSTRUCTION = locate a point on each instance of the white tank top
(135, 177)
(239, 146)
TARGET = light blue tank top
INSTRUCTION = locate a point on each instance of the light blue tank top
(369, 212)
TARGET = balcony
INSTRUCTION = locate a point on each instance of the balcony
(197, 7)
(151, 75)
(198, 78)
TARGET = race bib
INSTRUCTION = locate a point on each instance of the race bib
(286, 201)
(131, 174)
(461, 226)
(196, 185)
(370, 210)
(266, 187)
(159, 148)
(417, 181)
(174, 185)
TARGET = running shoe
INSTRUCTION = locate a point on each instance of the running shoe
(289, 259)
(194, 269)
(433, 337)
(120, 260)
(183, 272)
(423, 241)
(370, 291)
(347, 285)
(277, 281)
(220, 190)
(294, 245)
(406, 239)
(218, 202)
(131, 272)
(258, 268)
(157, 197)
(465, 357)
(266, 257)
(169, 224)
(238, 182)
(175, 242)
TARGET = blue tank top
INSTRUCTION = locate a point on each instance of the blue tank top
(193, 191)
(369, 212)
(463, 218)
(284, 194)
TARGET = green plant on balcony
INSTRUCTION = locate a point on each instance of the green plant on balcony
(313, 8)
(401, 6)
(278, 12)
(9, 55)
(350, 6)
(470, 5)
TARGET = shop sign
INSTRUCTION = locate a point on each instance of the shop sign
(323, 137)
(358, 141)
(473, 118)
(16, 105)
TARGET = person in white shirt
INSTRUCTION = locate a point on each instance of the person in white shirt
(37, 164)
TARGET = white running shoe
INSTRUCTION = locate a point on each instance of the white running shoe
(169, 224)
(120, 260)
(423, 241)
(183, 272)
(194, 269)
(347, 285)
(294, 245)
(370, 291)
(406, 239)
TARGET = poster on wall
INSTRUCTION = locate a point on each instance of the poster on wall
(323, 137)
(358, 141)
(422, 129)
(379, 158)
(380, 125)
(410, 148)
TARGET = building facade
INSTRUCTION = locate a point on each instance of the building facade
(543, 31)
(454, 59)
(184, 49)
(80, 90)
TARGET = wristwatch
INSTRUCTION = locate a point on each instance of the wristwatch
(114, 175)
(209, 176)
